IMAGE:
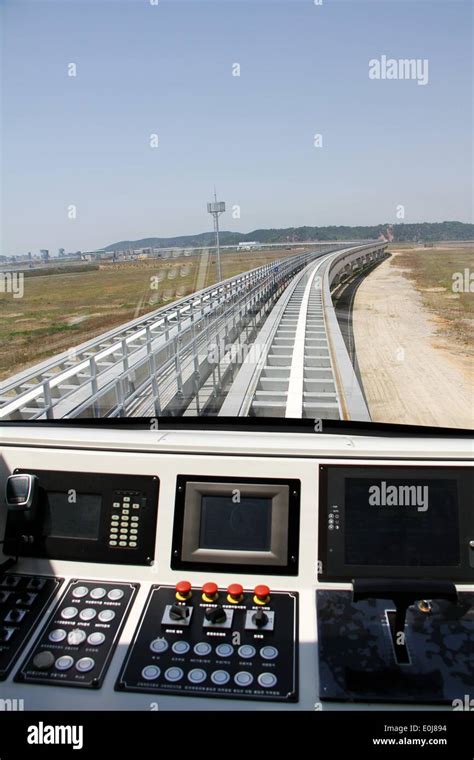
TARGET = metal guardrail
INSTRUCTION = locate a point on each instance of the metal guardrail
(156, 363)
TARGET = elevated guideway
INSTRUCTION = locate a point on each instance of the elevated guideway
(265, 342)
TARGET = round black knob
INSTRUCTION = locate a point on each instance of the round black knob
(260, 619)
(43, 660)
(216, 614)
(178, 613)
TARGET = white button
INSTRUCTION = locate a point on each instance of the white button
(68, 613)
(134, 531)
(57, 635)
(180, 647)
(116, 504)
(80, 591)
(125, 519)
(243, 678)
(106, 616)
(174, 674)
(87, 614)
(269, 653)
(267, 680)
(246, 651)
(64, 662)
(220, 677)
(112, 543)
(122, 543)
(134, 519)
(96, 639)
(115, 594)
(202, 648)
(123, 532)
(196, 675)
(125, 511)
(76, 637)
(98, 593)
(136, 506)
(159, 645)
(133, 544)
(126, 498)
(224, 650)
(85, 664)
(151, 672)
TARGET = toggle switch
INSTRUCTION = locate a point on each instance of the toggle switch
(178, 613)
(260, 619)
(216, 615)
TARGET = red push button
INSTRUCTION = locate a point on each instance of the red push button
(183, 590)
(235, 593)
(261, 594)
(209, 592)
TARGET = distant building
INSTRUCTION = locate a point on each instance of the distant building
(248, 245)
(44, 253)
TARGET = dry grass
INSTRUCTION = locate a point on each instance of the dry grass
(432, 270)
(60, 311)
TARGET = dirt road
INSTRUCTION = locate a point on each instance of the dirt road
(412, 371)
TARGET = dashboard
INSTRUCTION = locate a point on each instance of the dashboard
(215, 570)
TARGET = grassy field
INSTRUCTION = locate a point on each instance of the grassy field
(432, 271)
(60, 311)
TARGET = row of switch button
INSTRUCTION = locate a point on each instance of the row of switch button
(45, 660)
(98, 593)
(218, 677)
(89, 613)
(202, 649)
(77, 637)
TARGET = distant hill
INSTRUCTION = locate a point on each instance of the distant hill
(423, 231)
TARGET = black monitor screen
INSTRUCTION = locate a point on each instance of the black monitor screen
(401, 522)
(241, 526)
(74, 515)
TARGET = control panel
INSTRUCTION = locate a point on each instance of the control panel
(102, 518)
(80, 636)
(23, 599)
(214, 642)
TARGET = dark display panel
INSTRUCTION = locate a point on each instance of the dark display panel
(242, 526)
(79, 518)
(396, 521)
(401, 522)
(229, 524)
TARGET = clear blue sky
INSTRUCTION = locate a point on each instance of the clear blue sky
(167, 69)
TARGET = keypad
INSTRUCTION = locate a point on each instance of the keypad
(125, 519)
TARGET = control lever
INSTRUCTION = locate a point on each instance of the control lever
(260, 619)
(403, 593)
(216, 614)
(178, 613)
(21, 494)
